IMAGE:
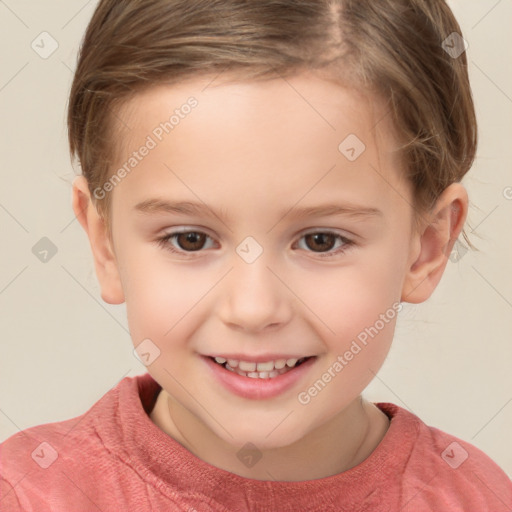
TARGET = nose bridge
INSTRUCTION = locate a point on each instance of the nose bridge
(252, 297)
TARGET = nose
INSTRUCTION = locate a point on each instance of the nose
(253, 299)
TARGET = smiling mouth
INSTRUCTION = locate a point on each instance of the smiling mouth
(268, 370)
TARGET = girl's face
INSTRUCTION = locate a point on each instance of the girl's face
(299, 237)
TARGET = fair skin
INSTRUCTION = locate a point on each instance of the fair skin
(254, 151)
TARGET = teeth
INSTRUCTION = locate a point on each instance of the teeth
(265, 367)
(257, 375)
(265, 370)
(246, 366)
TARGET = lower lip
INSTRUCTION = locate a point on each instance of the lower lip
(258, 389)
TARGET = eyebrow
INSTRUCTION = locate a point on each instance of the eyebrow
(153, 206)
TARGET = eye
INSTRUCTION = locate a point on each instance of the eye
(187, 241)
(319, 242)
(322, 243)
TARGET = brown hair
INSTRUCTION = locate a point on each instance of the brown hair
(391, 48)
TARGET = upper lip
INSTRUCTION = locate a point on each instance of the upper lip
(262, 358)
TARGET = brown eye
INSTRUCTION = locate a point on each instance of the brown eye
(325, 244)
(319, 242)
(322, 243)
(190, 241)
(184, 243)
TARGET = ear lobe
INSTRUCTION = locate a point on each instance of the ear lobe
(104, 258)
(434, 245)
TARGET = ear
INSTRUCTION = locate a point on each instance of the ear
(431, 246)
(95, 227)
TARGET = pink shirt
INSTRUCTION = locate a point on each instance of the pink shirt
(114, 458)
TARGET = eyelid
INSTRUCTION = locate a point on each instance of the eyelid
(187, 229)
(331, 231)
(164, 240)
(348, 243)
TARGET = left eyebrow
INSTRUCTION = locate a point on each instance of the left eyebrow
(192, 208)
(177, 207)
(347, 209)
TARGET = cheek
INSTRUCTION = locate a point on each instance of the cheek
(357, 313)
(160, 295)
(357, 307)
(349, 299)
(340, 302)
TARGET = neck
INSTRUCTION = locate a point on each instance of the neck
(335, 446)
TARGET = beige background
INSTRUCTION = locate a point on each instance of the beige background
(62, 348)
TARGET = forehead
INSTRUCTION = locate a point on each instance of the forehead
(317, 103)
(256, 137)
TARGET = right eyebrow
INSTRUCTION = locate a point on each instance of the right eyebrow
(156, 205)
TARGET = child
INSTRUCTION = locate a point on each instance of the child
(264, 183)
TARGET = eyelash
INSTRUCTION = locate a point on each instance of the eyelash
(347, 244)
